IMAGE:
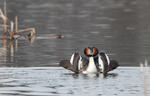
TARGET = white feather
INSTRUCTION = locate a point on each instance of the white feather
(80, 65)
(72, 58)
(108, 60)
(91, 66)
(101, 63)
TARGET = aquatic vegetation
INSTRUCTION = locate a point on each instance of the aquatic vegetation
(11, 34)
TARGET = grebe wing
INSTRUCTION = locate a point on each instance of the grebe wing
(74, 64)
(113, 65)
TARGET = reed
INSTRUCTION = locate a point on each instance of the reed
(5, 19)
(16, 23)
(13, 33)
(31, 35)
(16, 27)
(11, 30)
(11, 48)
(4, 22)
(1, 14)
(32, 30)
(5, 8)
(17, 31)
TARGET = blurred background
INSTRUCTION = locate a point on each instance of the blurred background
(121, 28)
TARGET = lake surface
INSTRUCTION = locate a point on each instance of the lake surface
(55, 81)
(121, 28)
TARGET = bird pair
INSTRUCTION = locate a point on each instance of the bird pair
(95, 63)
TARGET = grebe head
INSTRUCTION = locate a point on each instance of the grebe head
(90, 51)
(102, 53)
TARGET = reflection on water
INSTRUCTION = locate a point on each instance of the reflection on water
(55, 81)
(8, 50)
(118, 27)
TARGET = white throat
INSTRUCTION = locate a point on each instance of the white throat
(91, 67)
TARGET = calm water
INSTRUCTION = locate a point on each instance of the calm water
(121, 28)
(55, 81)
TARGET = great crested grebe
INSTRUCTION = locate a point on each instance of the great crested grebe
(96, 62)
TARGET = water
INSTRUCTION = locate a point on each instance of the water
(118, 27)
(55, 81)
(121, 28)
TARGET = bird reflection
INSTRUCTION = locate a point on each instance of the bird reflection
(109, 75)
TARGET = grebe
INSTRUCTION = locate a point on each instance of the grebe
(96, 62)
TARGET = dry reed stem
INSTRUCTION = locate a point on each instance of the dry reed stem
(16, 28)
(27, 29)
(16, 23)
(12, 26)
(5, 10)
(11, 48)
(32, 31)
(4, 22)
(11, 30)
(1, 13)
(5, 27)
(32, 39)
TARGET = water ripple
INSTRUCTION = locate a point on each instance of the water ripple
(46, 81)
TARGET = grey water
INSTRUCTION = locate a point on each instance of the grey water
(55, 81)
(120, 28)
